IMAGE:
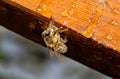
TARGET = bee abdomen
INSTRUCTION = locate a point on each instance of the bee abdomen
(61, 48)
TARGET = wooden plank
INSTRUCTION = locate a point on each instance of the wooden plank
(93, 35)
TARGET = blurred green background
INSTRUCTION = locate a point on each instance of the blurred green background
(21, 58)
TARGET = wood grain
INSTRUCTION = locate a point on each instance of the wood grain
(94, 32)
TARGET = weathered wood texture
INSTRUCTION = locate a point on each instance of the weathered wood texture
(93, 35)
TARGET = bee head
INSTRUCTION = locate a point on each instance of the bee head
(45, 33)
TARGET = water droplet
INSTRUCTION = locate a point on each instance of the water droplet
(89, 31)
(89, 20)
(101, 1)
(77, 5)
(65, 13)
(43, 10)
(109, 37)
(38, 9)
(99, 7)
(116, 11)
(65, 23)
(93, 22)
(87, 34)
(73, 6)
(114, 22)
(71, 12)
(44, 7)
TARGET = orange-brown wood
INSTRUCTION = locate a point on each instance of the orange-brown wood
(76, 15)
(88, 21)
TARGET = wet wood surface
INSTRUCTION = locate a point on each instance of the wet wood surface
(94, 28)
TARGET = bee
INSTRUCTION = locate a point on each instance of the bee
(54, 41)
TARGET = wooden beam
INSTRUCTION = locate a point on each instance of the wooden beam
(93, 35)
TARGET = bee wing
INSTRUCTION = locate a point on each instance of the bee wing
(50, 52)
(60, 57)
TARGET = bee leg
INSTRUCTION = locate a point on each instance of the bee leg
(60, 30)
(60, 57)
(64, 30)
(51, 23)
(43, 25)
(63, 40)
